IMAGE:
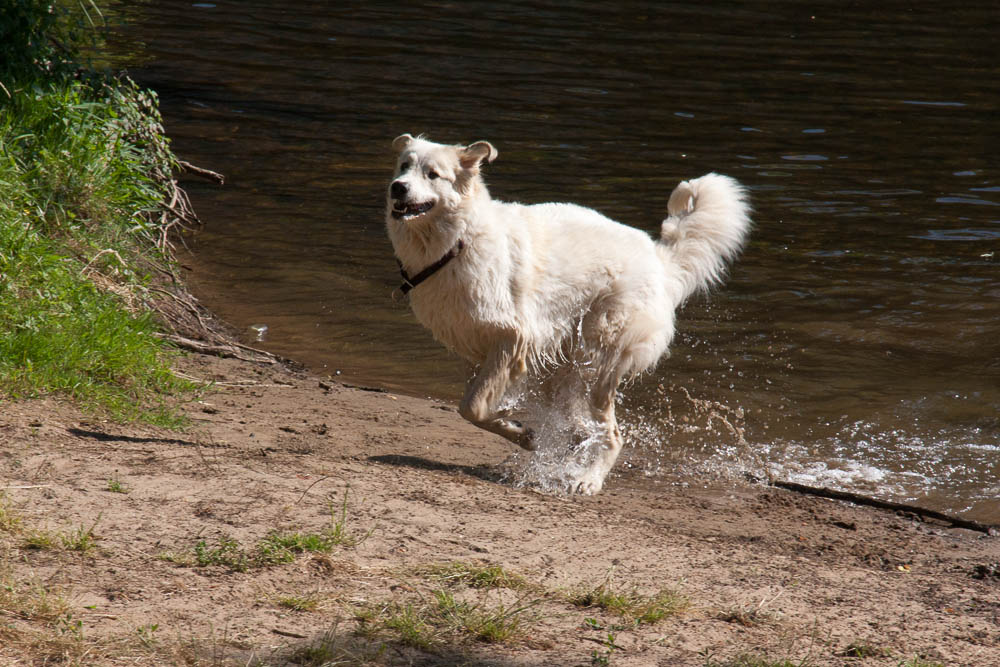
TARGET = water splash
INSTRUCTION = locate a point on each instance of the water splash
(690, 436)
(683, 435)
(567, 438)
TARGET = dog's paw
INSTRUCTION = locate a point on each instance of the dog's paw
(527, 440)
(588, 485)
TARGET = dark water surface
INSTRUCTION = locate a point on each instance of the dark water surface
(857, 343)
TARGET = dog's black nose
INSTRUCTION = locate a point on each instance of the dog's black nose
(398, 190)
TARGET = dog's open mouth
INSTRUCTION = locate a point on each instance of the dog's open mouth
(402, 209)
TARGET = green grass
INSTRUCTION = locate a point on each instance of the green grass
(115, 486)
(430, 624)
(80, 539)
(32, 600)
(754, 660)
(334, 649)
(84, 171)
(491, 624)
(466, 610)
(338, 531)
(474, 576)
(630, 604)
(275, 548)
(298, 602)
(10, 519)
(228, 553)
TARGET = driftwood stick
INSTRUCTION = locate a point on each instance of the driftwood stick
(953, 521)
(204, 173)
(220, 349)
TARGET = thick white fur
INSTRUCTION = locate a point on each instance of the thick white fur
(551, 286)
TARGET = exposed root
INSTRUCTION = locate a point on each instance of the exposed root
(186, 323)
(230, 349)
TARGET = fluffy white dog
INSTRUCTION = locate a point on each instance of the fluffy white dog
(555, 287)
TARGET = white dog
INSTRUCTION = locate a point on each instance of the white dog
(556, 287)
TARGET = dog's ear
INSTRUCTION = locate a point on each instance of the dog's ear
(401, 142)
(475, 154)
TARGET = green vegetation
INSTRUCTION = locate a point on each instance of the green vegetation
(865, 650)
(630, 604)
(469, 608)
(753, 660)
(336, 649)
(85, 172)
(430, 624)
(299, 602)
(474, 576)
(10, 520)
(338, 533)
(115, 486)
(275, 548)
(81, 539)
(608, 646)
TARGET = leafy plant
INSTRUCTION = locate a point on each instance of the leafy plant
(115, 486)
(604, 658)
(147, 635)
(40, 37)
(82, 539)
(85, 174)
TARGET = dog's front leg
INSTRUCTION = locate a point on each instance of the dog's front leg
(504, 364)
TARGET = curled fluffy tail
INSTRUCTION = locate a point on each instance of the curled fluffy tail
(709, 219)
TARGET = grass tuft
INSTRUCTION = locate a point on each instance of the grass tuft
(115, 486)
(430, 624)
(32, 601)
(275, 548)
(489, 576)
(333, 650)
(630, 604)
(81, 539)
(10, 520)
(754, 660)
(299, 602)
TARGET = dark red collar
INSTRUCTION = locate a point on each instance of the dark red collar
(409, 283)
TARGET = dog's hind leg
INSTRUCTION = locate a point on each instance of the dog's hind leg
(608, 443)
(504, 364)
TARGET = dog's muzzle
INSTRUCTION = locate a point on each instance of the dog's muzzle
(402, 209)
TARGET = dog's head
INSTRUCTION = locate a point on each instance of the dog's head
(431, 178)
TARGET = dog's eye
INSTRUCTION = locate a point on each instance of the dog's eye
(403, 167)
(432, 174)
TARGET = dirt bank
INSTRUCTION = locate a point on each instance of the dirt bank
(128, 545)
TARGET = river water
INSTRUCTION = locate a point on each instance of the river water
(857, 342)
